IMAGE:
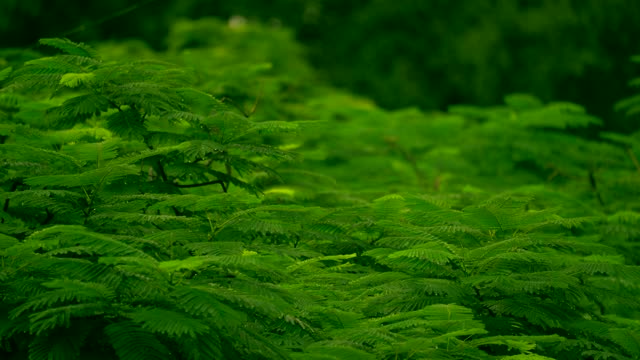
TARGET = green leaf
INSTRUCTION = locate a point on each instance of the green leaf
(131, 342)
(89, 178)
(79, 108)
(128, 124)
(171, 323)
(72, 80)
(4, 73)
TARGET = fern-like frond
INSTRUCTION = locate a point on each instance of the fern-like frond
(152, 98)
(75, 80)
(378, 278)
(518, 261)
(269, 127)
(552, 284)
(190, 263)
(69, 47)
(7, 241)
(60, 316)
(599, 268)
(59, 344)
(4, 73)
(558, 115)
(203, 346)
(334, 351)
(200, 149)
(177, 116)
(200, 303)
(79, 108)
(88, 178)
(265, 304)
(505, 213)
(411, 294)
(537, 311)
(131, 342)
(24, 153)
(106, 218)
(65, 291)
(48, 65)
(127, 123)
(431, 252)
(301, 264)
(168, 322)
(147, 268)
(439, 312)
(97, 152)
(48, 72)
(367, 336)
(54, 201)
(69, 235)
(168, 237)
(264, 150)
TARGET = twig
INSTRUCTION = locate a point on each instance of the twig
(393, 143)
(633, 157)
(201, 184)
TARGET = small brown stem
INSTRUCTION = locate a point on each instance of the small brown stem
(230, 100)
(255, 104)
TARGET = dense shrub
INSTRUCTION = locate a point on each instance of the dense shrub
(176, 207)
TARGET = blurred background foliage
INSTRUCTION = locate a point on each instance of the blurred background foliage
(429, 54)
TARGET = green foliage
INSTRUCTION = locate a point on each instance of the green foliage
(144, 216)
(555, 49)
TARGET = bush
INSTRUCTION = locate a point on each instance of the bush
(153, 209)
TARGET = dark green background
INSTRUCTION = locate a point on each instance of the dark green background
(426, 53)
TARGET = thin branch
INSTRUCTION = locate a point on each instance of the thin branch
(225, 186)
(161, 171)
(201, 184)
(255, 104)
(594, 187)
(113, 104)
(14, 187)
(84, 26)
(393, 143)
(49, 217)
(633, 157)
(235, 105)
